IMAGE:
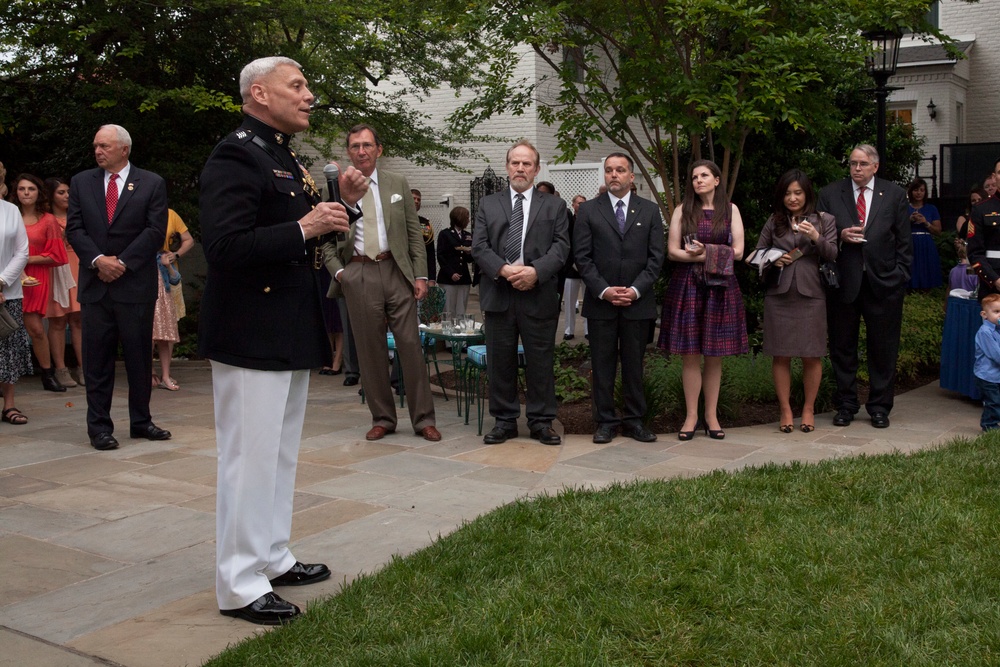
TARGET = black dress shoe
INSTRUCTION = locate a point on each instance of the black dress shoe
(302, 574)
(268, 609)
(880, 419)
(844, 417)
(151, 432)
(605, 433)
(568, 336)
(350, 380)
(640, 433)
(499, 434)
(103, 441)
(546, 436)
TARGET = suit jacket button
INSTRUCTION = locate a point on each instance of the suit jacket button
(267, 290)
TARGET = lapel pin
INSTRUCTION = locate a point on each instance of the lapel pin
(131, 187)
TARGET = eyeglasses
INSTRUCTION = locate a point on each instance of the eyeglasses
(356, 147)
(855, 163)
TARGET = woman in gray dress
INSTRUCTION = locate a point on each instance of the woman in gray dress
(795, 302)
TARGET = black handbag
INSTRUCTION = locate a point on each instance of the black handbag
(828, 272)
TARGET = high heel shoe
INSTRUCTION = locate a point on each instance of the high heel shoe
(49, 381)
(714, 435)
(689, 435)
(786, 428)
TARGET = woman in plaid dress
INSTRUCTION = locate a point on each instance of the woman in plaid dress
(703, 316)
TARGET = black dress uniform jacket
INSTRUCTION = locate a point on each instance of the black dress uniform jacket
(984, 235)
(261, 308)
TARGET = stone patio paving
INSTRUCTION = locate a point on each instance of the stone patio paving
(109, 556)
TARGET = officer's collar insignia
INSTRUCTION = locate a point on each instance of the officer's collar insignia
(280, 138)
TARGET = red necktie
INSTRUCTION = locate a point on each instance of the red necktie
(862, 207)
(111, 199)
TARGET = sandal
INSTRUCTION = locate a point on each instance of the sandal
(169, 384)
(14, 416)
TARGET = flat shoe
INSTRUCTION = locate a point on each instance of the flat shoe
(14, 416)
(303, 574)
(151, 432)
(378, 432)
(499, 435)
(546, 436)
(268, 609)
(430, 434)
(168, 384)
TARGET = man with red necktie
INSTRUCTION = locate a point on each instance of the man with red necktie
(117, 220)
(874, 266)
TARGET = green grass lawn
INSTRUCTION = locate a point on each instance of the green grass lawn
(889, 560)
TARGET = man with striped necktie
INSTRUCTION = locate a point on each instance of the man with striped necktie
(520, 242)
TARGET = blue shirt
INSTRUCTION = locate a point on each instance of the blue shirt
(987, 365)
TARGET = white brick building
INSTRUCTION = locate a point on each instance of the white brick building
(964, 93)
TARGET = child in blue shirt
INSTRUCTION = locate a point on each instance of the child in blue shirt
(987, 365)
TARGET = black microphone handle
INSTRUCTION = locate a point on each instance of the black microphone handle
(333, 187)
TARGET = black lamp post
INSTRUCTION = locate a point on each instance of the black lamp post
(881, 65)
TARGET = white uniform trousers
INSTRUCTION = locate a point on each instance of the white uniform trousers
(258, 426)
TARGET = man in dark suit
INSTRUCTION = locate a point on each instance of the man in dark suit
(262, 328)
(117, 220)
(618, 246)
(520, 243)
(874, 266)
(380, 270)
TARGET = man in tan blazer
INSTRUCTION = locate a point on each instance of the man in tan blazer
(378, 268)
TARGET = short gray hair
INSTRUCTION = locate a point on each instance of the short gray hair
(124, 138)
(868, 150)
(260, 68)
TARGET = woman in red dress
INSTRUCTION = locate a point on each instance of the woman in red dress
(63, 307)
(45, 250)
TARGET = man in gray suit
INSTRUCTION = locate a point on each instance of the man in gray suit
(520, 242)
(618, 245)
(380, 270)
(874, 266)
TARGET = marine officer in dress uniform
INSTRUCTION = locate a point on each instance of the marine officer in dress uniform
(262, 328)
(984, 241)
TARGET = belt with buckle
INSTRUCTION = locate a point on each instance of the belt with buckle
(381, 257)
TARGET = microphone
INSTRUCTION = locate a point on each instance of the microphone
(332, 173)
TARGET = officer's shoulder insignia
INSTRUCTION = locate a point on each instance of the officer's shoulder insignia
(243, 134)
(283, 174)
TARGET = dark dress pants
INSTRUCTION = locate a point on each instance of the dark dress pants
(538, 337)
(611, 340)
(105, 323)
(883, 315)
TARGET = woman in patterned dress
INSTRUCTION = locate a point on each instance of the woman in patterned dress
(15, 350)
(63, 306)
(45, 250)
(703, 316)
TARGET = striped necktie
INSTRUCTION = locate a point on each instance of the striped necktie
(512, 251)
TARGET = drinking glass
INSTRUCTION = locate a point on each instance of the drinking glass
(689, 240)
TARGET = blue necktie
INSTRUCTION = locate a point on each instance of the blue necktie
(620, 216)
